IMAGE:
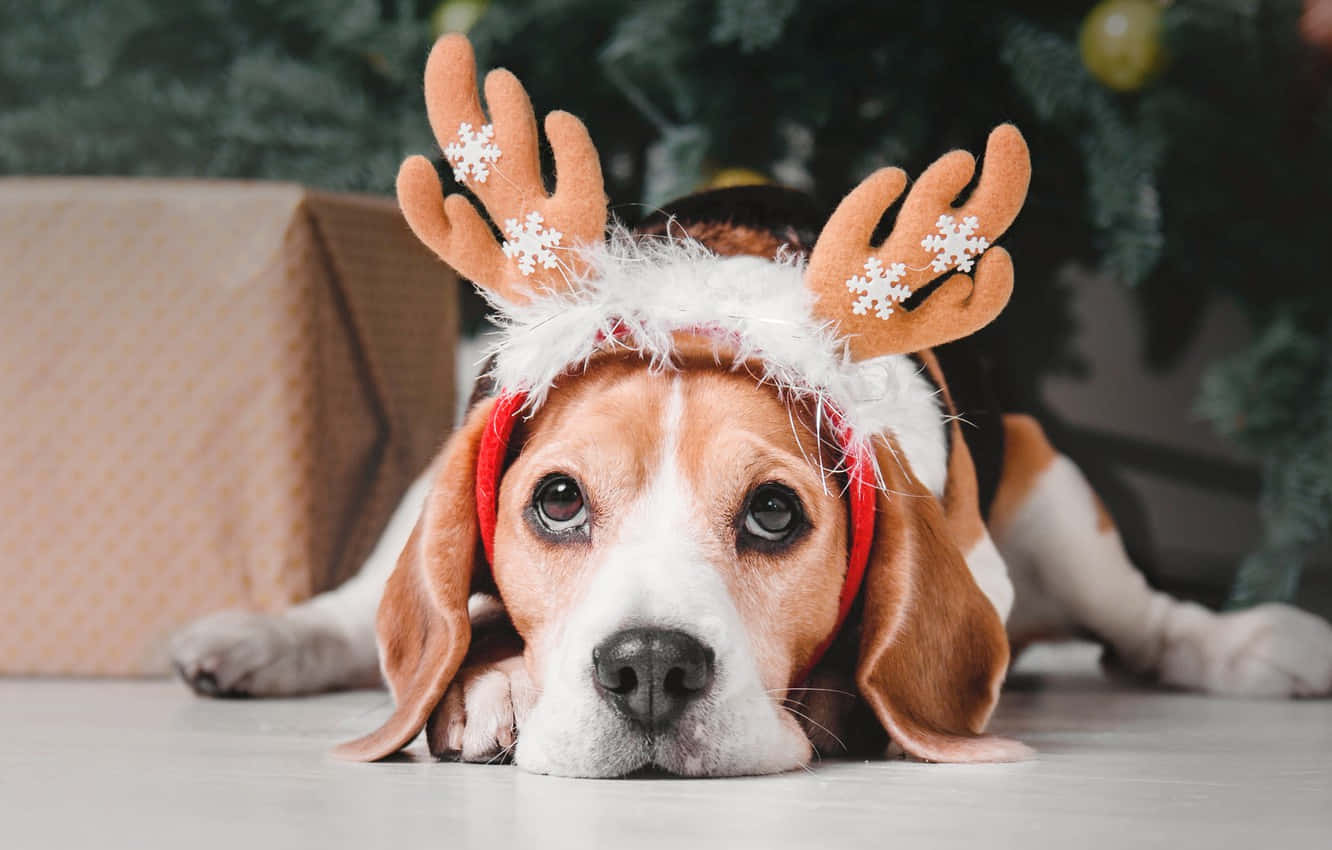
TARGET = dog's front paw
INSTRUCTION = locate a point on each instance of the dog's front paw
(237, 653)
(1272, 651)
(482, 711)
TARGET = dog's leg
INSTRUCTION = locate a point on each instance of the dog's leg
(1072, 572)
(324, 644)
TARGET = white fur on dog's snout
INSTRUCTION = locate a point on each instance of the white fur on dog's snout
(657, 574)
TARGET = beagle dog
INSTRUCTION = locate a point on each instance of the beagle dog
(716, 507)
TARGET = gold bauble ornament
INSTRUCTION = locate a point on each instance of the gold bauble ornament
(456, 16)
(1121, 43)
(725, 178)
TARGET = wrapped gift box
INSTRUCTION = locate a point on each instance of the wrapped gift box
(211, 396)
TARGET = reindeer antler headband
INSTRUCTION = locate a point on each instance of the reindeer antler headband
(553, 241)
(564, 290)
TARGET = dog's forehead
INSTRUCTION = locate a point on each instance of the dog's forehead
(617, 392)
(625, 400)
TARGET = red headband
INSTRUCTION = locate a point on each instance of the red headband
(860, 492)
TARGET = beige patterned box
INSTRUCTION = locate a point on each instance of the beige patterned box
(211, 396)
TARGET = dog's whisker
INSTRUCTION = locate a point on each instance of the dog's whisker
(503, 753)
(820, 726)
(813, 690)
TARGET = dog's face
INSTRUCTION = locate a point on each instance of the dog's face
(671, 551)
(671, 548)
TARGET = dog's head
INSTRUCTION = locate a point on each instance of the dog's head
(680, 518)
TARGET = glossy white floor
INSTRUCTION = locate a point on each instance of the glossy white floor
(147, 765)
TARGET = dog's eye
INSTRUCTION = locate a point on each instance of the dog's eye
(773, 513)
(559, 503)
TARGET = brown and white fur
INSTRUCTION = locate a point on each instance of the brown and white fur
(666, 457)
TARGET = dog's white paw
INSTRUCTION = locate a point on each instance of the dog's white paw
(482, 711)
(1272, 651)
(237, 653)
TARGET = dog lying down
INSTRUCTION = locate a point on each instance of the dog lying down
(718, 508)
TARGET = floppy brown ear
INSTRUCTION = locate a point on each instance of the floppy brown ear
(423, 627)
(933, 650)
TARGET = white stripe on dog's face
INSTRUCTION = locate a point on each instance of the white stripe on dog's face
(666, 462)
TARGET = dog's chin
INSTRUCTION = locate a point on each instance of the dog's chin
(727, 744)
(761, 738)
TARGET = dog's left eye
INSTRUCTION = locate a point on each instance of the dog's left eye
(773, 513)
(559, 504)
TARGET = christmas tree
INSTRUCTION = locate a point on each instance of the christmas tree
(1182, 147)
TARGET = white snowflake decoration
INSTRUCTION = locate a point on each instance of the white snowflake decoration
(472, 154)
(954, 245)
(879, 288)
(530, 242)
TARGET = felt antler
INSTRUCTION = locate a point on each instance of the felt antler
(500, 163)
(858, 285)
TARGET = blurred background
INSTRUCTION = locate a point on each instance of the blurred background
(1172, 320)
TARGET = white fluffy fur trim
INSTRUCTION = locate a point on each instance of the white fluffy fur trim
(651, 287)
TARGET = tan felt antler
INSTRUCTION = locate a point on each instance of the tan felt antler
(860, 287)
(501, 164)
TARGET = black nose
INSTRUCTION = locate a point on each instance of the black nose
(650, 675)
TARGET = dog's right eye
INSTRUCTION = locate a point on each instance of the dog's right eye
(772, 518)
(559, 504)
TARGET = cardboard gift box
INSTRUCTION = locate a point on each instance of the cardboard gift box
(212, 395)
